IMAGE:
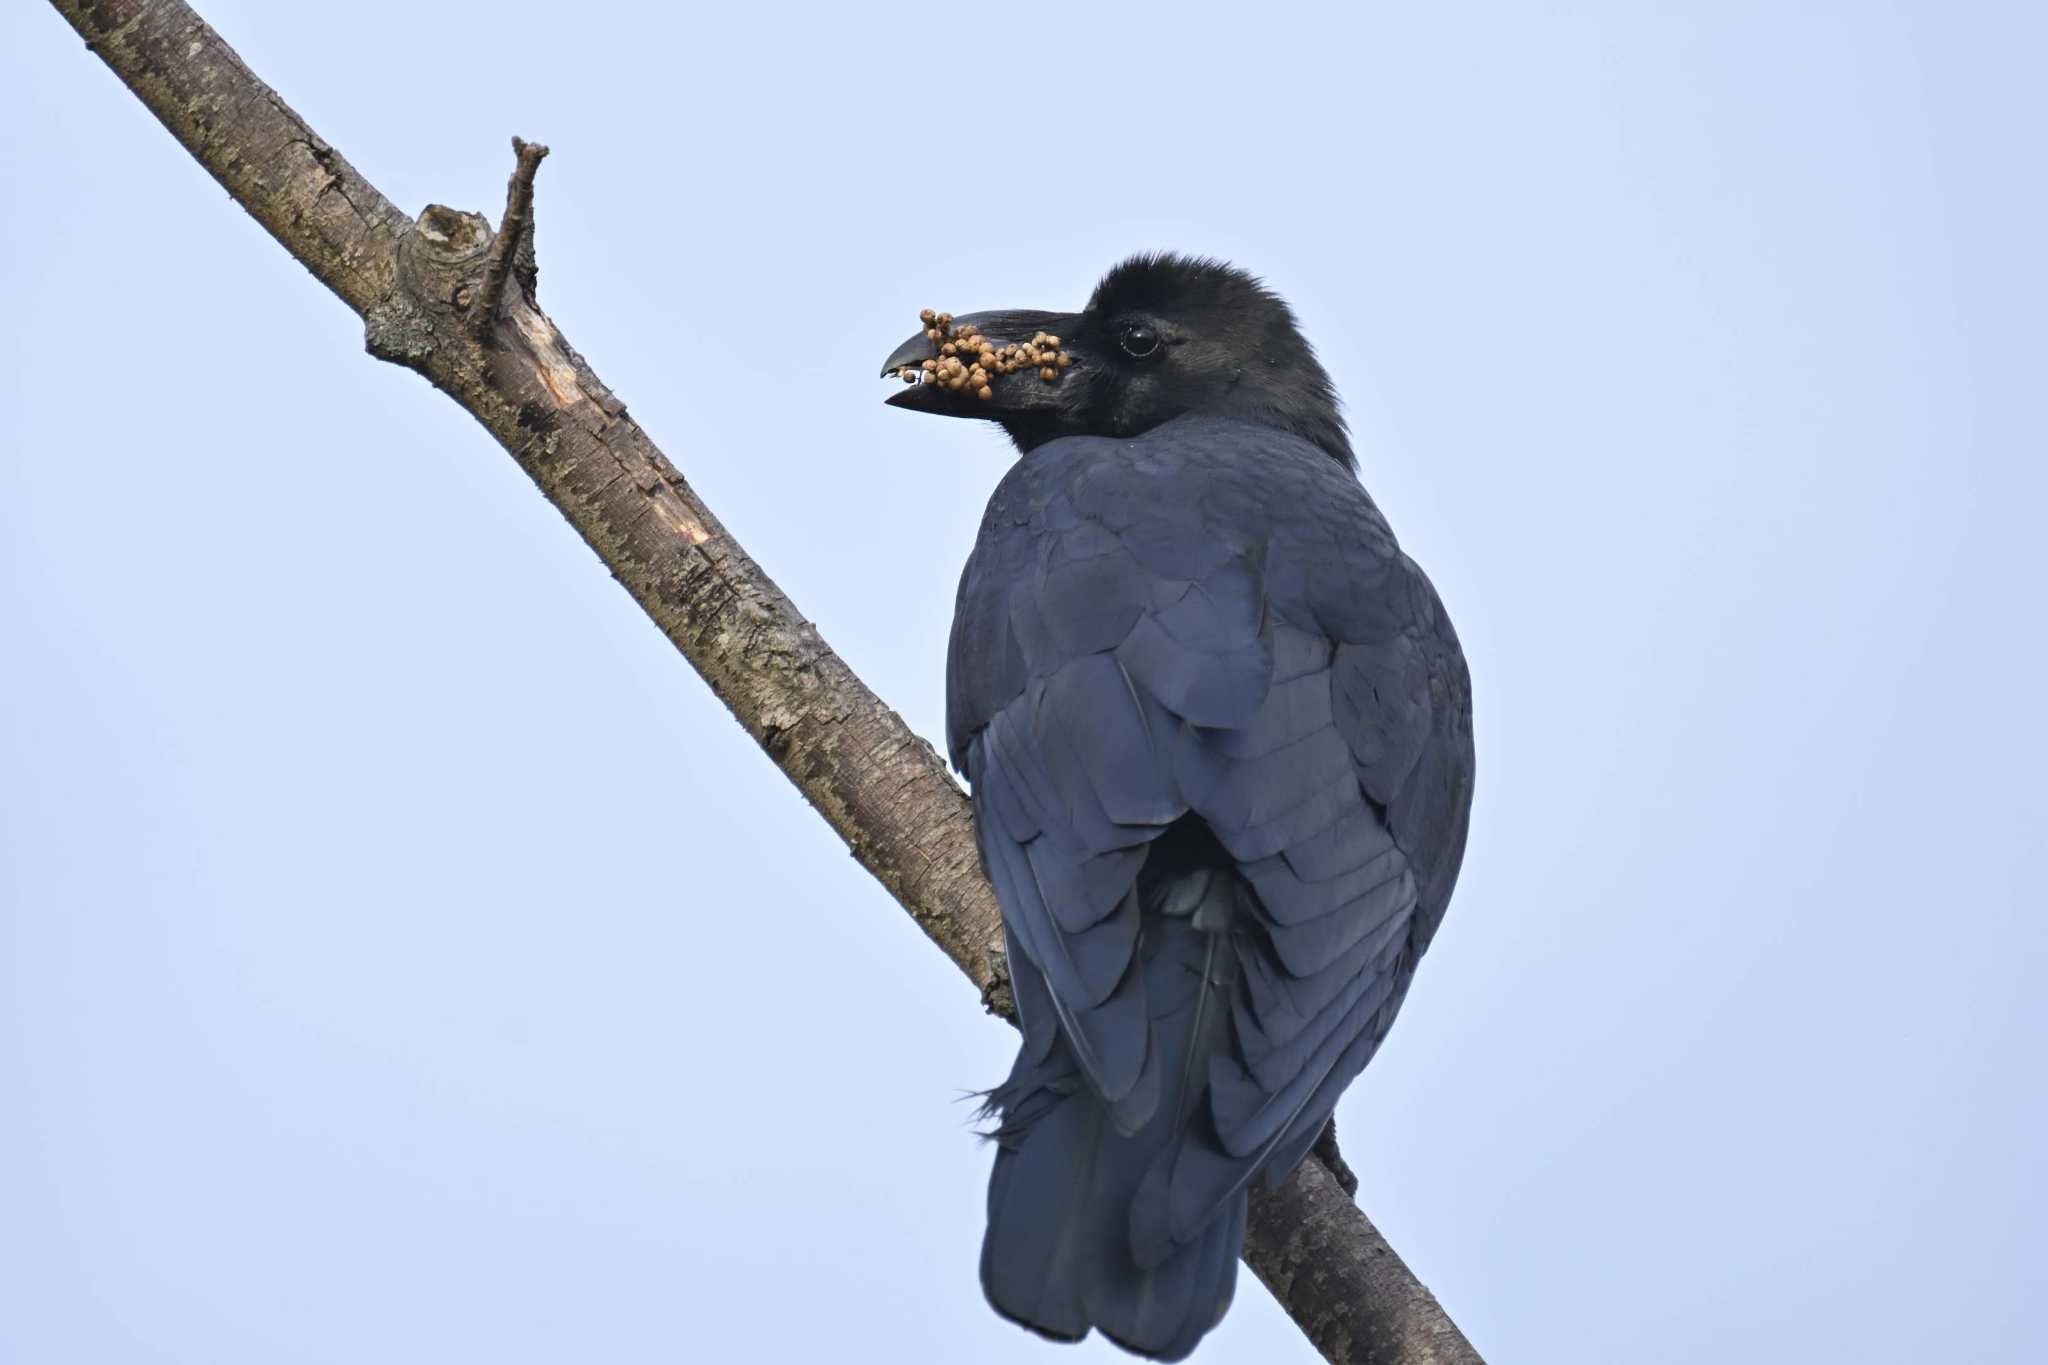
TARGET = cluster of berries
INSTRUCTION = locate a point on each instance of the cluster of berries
(968, 360)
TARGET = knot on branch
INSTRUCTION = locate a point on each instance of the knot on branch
(453, 271)
(997, 997)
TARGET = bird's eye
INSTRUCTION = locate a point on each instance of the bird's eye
(1140, 340)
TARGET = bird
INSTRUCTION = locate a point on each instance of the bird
(1217, 728)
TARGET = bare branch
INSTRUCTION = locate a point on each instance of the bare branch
(1340, 1281)
(427, 291)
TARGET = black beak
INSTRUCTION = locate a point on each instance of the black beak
(1020, 391)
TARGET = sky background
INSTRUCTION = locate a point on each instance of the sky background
(367, 995)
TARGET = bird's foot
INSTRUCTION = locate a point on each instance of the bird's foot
(1326, 1152)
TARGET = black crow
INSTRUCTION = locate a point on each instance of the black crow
(1219, 732)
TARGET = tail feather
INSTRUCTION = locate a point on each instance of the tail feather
(1057, 1256)
(1068, 1192)
(1163, 1312)
(1037, 1210)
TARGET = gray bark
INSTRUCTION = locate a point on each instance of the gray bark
(436, 297)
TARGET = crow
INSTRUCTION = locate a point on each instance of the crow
(1219, 734)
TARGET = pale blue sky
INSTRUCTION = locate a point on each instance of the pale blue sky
(367, 994)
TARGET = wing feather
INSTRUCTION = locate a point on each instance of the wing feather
(1209, 623)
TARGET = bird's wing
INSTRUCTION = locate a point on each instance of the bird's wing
(1343, 801)
(1084, 642)
(1210, 620)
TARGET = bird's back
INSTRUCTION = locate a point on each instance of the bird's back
(1219, 734)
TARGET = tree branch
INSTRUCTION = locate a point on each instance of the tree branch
(433, 295)
(513, 228)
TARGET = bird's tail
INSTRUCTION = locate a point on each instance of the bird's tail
(1059, 1256)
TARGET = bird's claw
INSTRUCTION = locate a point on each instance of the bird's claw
(1326, 1152)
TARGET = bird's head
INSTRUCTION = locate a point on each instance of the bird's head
(1162, 336)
